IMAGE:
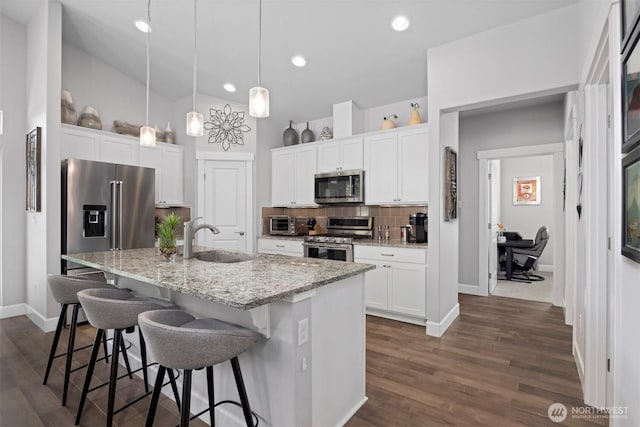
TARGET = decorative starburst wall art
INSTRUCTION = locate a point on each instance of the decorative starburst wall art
(226, 127)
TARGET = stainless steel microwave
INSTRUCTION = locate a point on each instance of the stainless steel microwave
(287, 225)
(340, 187)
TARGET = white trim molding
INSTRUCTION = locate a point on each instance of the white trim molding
(478, 290)
(13, 310)
(438, 329)
(216, 155)
(530, 150)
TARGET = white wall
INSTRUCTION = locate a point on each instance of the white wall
(114, 94)
(13, 48)
(534, 56)
(528, 218)
(518, 127)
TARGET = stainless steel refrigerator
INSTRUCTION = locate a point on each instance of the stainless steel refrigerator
(106, 206)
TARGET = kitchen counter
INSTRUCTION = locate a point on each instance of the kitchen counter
(244, 285)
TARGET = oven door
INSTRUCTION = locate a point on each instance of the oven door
(332, 251)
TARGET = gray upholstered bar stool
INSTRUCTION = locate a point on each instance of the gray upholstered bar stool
(64, 290)
(118, 310)
(177, 340)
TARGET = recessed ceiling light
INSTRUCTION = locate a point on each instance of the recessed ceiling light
(298, 61)
(229, 87)
(142, 26)
(400, 23)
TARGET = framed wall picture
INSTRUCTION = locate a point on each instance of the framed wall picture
(33, 184)
(630, 14)
(631, 94)
(451, 184)
(526, 191)
(631, 205)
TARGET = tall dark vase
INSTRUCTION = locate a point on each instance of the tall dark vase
(307, 135)
(290, 136)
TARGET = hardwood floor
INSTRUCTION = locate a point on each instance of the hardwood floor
(25, 402)
(501, 363)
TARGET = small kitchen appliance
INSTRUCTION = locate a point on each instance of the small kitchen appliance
(419, 224)
(285, 225)
(343, 186)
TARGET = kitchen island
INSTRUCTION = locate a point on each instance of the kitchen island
(310, 368)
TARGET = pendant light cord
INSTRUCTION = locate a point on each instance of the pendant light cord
(260, 44)
(195, 49)
(148, 31)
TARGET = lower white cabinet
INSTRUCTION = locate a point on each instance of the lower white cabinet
(397, 287)
(287, 247)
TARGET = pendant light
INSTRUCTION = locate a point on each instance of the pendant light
(147, 133)
(195, 120)
(259, 96)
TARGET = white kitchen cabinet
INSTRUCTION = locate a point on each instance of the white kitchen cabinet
(167, 160)
(395, 164)
(343, 154)
(120, 149)
(397, 287)
(79, 143)
(292, 176)
(281, 247)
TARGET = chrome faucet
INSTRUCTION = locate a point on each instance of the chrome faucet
(190, 230)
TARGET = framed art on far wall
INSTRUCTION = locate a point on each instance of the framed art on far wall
(33, 184)
(630, 9)
(631, 205)
(526, 191)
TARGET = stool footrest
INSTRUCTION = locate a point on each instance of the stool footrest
(222, 402)
(120, 377)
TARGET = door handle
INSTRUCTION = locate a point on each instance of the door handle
(240, 233)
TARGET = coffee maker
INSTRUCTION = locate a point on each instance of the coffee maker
(419, 224)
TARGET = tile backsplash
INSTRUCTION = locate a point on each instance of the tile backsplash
(382, 215)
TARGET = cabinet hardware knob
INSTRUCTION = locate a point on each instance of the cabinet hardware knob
(279, 246)
(383, 254)
(240, 233)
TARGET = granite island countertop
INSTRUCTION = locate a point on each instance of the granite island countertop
(244, 285)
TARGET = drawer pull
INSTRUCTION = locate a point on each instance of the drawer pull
(279, 246)
(383, 254)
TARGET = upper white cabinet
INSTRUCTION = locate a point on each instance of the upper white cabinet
(292, 176)
(343, 154)
(121, 149)
(79, 143)
(395, 164)
(167, 160)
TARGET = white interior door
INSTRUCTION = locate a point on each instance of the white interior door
(494, 219)
(225, 204)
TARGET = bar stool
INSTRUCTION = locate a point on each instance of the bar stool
(118, 310)
(178, 341)
(64, 290)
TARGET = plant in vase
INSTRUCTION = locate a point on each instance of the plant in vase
(501, 229)
(166, 231)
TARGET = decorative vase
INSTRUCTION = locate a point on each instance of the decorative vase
(290, 136)
(90, 118)
(68, 113)
(326, 134)
(388, 122)
(168, 134)
(414, 118)
(307, 135)
(168, 253)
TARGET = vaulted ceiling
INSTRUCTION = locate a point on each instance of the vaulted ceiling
(351, 50)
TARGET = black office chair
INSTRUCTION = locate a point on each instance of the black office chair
(526, 259)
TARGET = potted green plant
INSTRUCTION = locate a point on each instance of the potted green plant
(166, 231)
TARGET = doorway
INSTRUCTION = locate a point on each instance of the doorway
(497, 206)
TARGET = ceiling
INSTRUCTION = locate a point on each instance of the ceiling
(351, 50)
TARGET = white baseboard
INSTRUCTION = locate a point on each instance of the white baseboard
(13, 310)
(352, 411)
(394, 316)
(545, 267)
(47, 325)
(579, 363)
(438, 329)
(463, 288)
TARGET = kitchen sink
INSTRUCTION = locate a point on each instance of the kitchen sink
(221, 257)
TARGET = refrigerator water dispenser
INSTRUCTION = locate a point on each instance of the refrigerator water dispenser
(94, 220)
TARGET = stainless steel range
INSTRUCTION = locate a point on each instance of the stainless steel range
(337, 244)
